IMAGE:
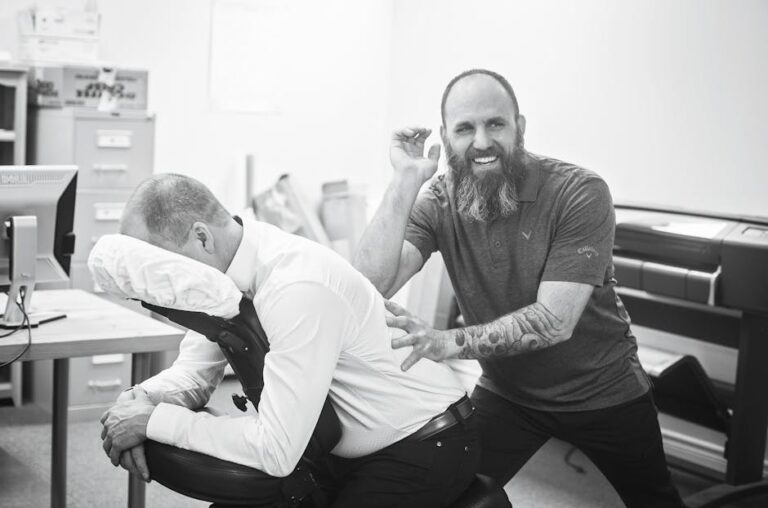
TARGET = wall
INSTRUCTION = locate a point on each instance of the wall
(666, 100)
(336, 90)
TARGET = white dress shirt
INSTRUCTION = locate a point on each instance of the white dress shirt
(326, 326)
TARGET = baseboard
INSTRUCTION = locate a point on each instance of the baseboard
(704, 454)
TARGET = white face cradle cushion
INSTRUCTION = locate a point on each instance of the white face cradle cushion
(130, 268)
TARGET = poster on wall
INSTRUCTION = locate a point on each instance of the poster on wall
(247, 66)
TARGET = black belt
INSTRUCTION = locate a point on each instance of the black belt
(456, 413)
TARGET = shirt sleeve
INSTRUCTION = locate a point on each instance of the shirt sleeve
(304, 349)
(192, 378)
(582, 245)
(423, 224)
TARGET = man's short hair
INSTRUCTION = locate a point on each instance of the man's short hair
(169, 204)
(498, 77)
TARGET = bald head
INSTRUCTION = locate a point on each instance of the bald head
(480, 78)
(164, 207)
(180, 214)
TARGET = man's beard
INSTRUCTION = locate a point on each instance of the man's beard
(491, 195)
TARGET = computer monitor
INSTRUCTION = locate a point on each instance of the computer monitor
(37, 211)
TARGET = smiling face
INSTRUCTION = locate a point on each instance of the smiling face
(481, 123)
(483, 137)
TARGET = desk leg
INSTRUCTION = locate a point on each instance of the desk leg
(746, 442)
(59, 433)
(140, 370)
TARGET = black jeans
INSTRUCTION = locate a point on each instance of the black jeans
(623, 441)
(407, 474)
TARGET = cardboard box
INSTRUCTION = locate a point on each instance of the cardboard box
(100, 88)
(38, 48)
(58, 35)
(58, 22)
(65, 23)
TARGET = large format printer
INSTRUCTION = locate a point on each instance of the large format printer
(704, 276)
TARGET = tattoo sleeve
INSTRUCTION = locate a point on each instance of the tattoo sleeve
(528, 329)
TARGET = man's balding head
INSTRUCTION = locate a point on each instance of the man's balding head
(166, 206)
(495, 76)
(180, 214)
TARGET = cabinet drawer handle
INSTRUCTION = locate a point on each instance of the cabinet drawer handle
(105, 385)
(111, 168)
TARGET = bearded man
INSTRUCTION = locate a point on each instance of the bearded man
(527, 241)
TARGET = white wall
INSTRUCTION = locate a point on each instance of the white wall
(335, 126)
(666, 100)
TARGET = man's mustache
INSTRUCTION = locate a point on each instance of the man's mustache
(473, 153)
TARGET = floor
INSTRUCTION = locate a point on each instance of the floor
(547, 481)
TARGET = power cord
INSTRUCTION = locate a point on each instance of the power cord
(24, 321)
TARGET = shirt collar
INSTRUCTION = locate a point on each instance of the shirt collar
(242, 269)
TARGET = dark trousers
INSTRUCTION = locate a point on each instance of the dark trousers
(623, 441)
(417, 474)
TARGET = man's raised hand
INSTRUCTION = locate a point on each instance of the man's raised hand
(407, 154)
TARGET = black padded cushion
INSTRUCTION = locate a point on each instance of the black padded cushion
(214, 480)
(483, 493)
(209, 479)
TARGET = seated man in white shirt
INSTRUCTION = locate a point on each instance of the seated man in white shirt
(328, 335)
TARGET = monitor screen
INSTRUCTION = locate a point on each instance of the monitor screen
(48, 193)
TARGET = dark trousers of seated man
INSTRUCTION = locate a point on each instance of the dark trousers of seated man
(407, 474)
(623, 441)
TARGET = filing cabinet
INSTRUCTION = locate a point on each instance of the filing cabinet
(114, 152)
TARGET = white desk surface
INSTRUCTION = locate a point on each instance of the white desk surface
(93, 326)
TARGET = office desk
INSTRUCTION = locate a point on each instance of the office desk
(93, 326)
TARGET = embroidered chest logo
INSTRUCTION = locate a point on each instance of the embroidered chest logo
(588, 251)
(527, 235)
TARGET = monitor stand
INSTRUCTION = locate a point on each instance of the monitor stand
(22, 233)
(35, 319)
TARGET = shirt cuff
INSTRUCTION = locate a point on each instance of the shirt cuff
(165, 424)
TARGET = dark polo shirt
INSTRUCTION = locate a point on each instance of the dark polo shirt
(562, 231)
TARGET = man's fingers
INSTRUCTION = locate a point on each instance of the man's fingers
(412, 359)
(401, 322)
(103, 433)
(412, 132)
(434, 152)
(394, 308)
(127, 463)
(107, 444)
(140, 460)
(404, 341)
(114, 455)
(104, 416)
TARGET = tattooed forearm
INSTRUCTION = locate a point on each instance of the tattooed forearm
(530, 328)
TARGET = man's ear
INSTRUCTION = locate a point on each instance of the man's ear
(521, 123)
(200, 233)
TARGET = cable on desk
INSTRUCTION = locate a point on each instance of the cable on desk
(24, 321)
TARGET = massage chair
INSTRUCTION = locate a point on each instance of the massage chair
(227, 484)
